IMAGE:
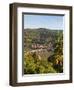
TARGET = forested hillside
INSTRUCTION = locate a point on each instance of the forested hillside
(43, 51)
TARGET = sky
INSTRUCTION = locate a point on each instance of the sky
(44, 21)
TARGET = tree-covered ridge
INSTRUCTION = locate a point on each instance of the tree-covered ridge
(43, 51)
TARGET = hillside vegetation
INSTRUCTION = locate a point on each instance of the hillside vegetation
(43, 51)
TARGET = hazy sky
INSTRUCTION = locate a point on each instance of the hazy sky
(43, 21)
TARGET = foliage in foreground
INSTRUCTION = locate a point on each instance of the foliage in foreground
(32, 65)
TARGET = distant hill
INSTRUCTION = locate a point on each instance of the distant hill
(41, 36)
(41, 29)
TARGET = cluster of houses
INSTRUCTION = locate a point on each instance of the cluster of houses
(38, 46)
(34, 46)
(42, 46)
